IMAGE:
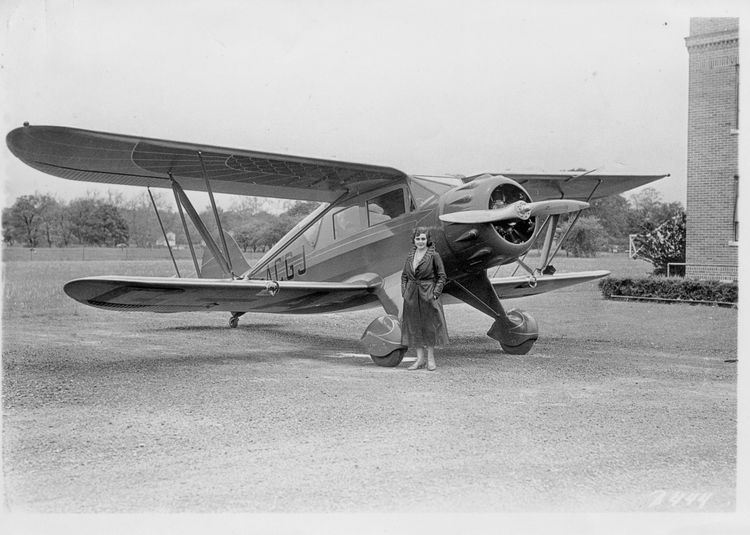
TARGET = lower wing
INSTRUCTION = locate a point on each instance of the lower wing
(161, 294)
(510, 287)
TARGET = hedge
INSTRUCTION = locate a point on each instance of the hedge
(670, 289)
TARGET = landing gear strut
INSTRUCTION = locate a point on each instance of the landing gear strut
(516, 330)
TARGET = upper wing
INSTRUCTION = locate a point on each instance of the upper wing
(161, 294)
(117, 159)
(579, 187)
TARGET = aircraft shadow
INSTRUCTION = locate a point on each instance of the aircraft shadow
(324, 347)
(307, 345)
(254, 326)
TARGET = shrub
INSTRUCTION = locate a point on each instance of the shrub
(713, 292)
(663, 245)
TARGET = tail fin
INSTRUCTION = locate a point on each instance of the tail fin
(210, 268)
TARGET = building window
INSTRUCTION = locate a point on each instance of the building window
(736, 210)
(737, 96)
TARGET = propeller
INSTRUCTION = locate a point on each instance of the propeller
(517, 210)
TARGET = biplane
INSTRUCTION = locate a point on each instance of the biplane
(349, 252)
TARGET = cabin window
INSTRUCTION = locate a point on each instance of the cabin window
(385, 207)
(346, 222)
(311, 234)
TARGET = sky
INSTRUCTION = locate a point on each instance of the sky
(438, 87)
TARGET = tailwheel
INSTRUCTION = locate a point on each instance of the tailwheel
(390, 360)
(235, 319)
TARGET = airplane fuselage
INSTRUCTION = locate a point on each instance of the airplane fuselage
(380, 250)
(371, 235)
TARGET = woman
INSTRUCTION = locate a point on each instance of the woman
(422, 281)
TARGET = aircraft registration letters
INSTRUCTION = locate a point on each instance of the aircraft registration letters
(284, 267)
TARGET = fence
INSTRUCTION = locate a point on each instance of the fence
(68, 254)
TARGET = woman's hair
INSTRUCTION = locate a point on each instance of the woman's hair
(422, 230)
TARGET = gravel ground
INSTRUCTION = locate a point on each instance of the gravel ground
(620, 407)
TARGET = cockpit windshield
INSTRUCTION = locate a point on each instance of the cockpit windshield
(311, 234)
(428, 189)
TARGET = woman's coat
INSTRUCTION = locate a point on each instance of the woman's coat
(423, 321)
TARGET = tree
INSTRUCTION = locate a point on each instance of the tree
(257, 232)
(96, 222)
(612, 212)
(645, 200)
(247, 205)
(8, 237)
(61, 219)
(299, 210)
(51, 225)
(81, 218)
(29, 219)
(648, 212)
(243, 239)
(586, 237)
(113, 228)
(665, 244)
(143, 226)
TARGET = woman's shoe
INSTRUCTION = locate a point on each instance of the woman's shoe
(417, 365)
(431, 366)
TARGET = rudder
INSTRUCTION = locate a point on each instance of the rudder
(210, 268)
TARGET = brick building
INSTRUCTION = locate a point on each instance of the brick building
(713, 132)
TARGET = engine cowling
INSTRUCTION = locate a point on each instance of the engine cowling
(478, 246)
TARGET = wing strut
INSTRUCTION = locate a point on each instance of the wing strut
(184, 226)
(548, 260)
(164, 232)
(202, 230)
(216, 213)
(547, 247)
